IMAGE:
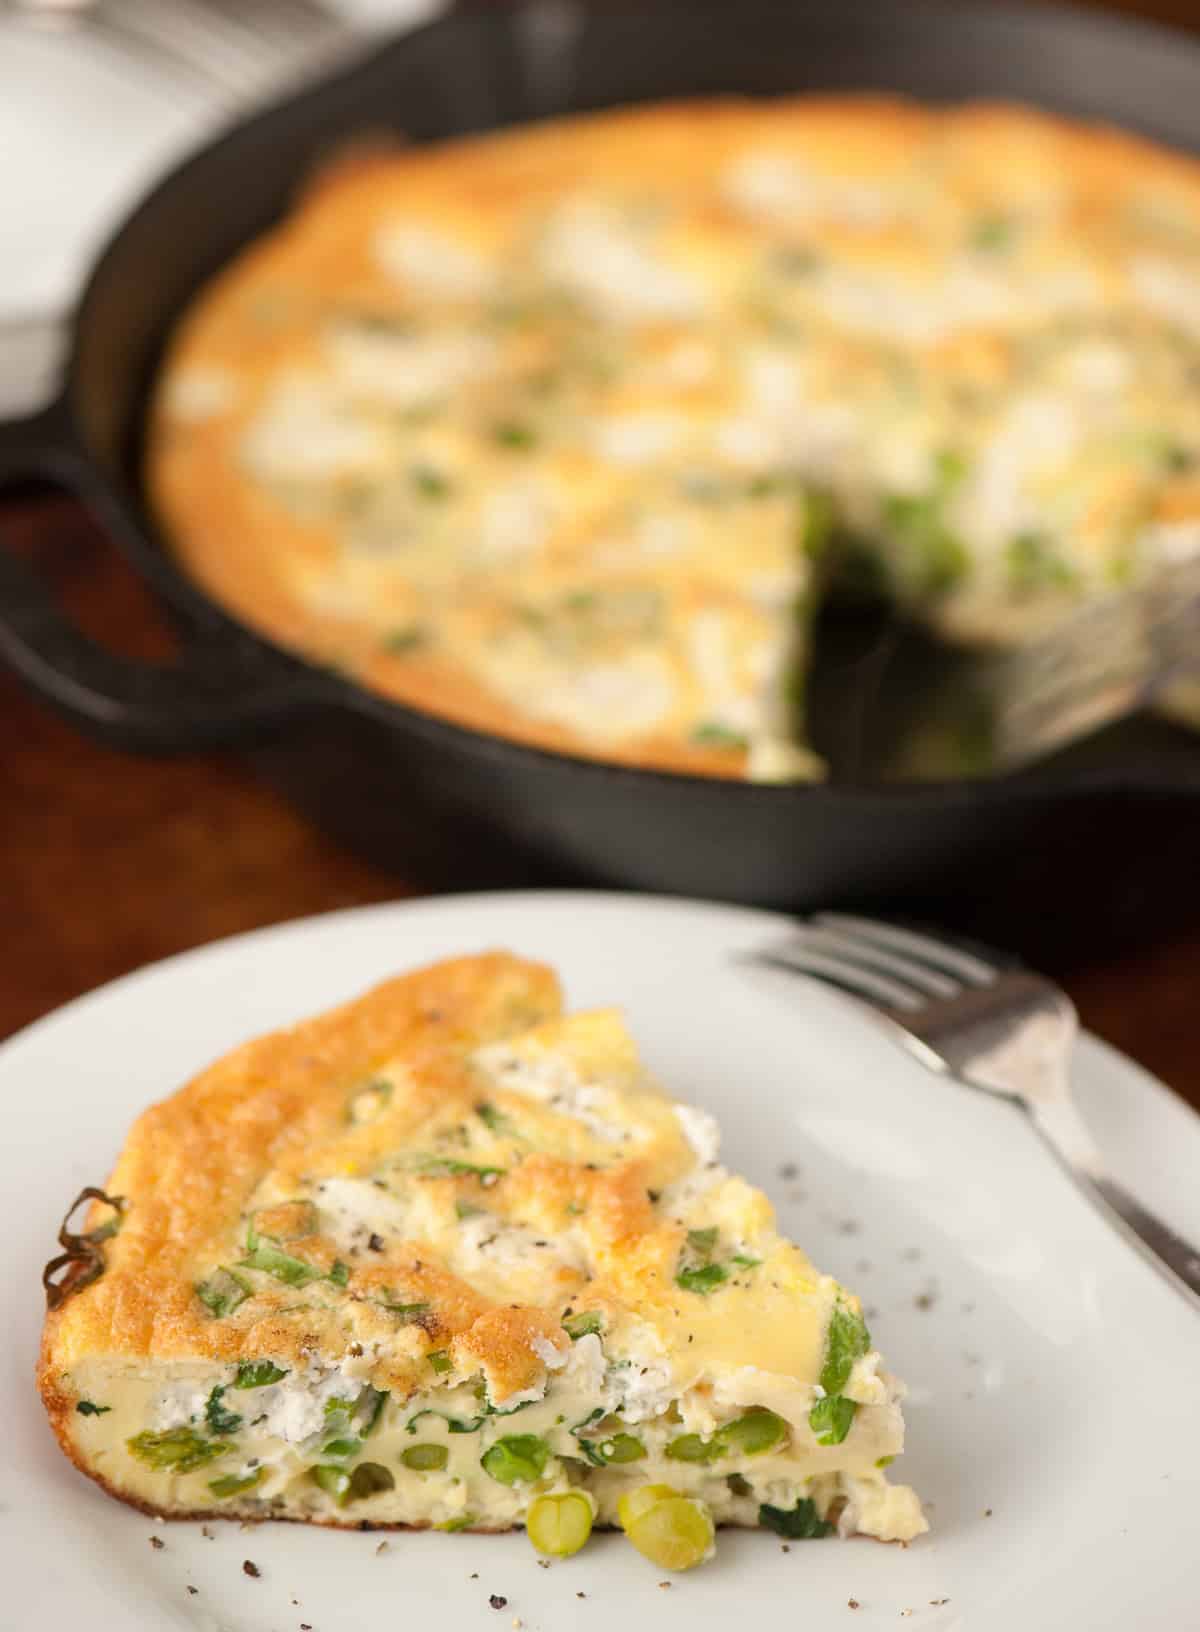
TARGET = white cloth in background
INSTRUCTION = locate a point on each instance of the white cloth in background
(85, 128)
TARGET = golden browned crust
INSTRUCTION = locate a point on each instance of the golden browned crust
(192, 1163)
(233, 539)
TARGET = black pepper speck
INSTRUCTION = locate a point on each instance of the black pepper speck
(497, 1602)
(157, 1543)
(249, 1567)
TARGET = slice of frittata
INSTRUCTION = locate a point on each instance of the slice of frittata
(447, 1257)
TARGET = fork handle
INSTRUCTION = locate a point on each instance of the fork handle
(1065, 1132)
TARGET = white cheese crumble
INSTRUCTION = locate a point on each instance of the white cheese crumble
(875, 1508)
(641, 1389)
(402, 370)
(637, 439)
(487, 1242)
(867, 1385)
(777, 186)
(702, 1132)
(293, 1408)
(514, 521)
(430, 262)
(593, 252)
(1168, 289)
(304, 434)
(352, 1210)
(195, 394)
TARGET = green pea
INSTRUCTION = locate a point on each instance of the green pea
(691, 1448)
(758, 1431)
(559, 1525)
(675, 1532)
(517, 1459)
(425, 1458)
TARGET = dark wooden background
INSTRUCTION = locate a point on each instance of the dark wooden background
(108, 861)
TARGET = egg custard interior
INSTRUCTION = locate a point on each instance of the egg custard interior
(447, 1257)
(563, 432)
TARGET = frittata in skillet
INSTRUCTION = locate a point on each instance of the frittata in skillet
(550, 431)
(447, 1257)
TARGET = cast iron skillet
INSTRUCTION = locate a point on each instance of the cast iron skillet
(377, 772)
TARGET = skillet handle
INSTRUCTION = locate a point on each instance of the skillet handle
(214, 695)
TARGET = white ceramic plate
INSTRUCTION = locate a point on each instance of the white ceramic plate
(1053, 1420)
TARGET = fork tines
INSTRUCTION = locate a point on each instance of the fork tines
(897, 968)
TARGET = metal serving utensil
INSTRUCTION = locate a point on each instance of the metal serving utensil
(995, 1027)
(911, 707)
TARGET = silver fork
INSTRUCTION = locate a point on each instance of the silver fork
(997, 1027)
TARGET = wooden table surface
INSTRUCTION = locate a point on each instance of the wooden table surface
(109, 861)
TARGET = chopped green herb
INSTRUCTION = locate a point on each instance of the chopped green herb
(370, 1404)
(274, 1261)
(399, 642)
(180, 1449)
(407, 1313)
(517, 1459)
(222, 1292)
(441, 1362)
(345, 1450)
(338, 1414)
(464, 1521)
(430, 483)
(739, 1485)
(450, 1167)
(340, 1273)
(830, 1419)
(1032, 562)
(454, 1425)
(703, 1241)
(587, 1323)
(951, 468)
(712, 734)
(88, 1408)
(884, 1461)
(795, 260)
(799, 1523)
(493, 1119)
(846, 1340)
(467, 1209)
(936, 558)
(705, 1278)
(817, 528)
(991, 233)
(743, 1261)
(425, 1458)
(510, 433)
(257, 1374)
(1177, 459)
(232, 1485)
(219, 1420)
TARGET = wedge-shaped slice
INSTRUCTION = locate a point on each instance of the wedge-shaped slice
(444, 1257)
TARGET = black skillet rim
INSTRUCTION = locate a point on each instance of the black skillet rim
(145, 549)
